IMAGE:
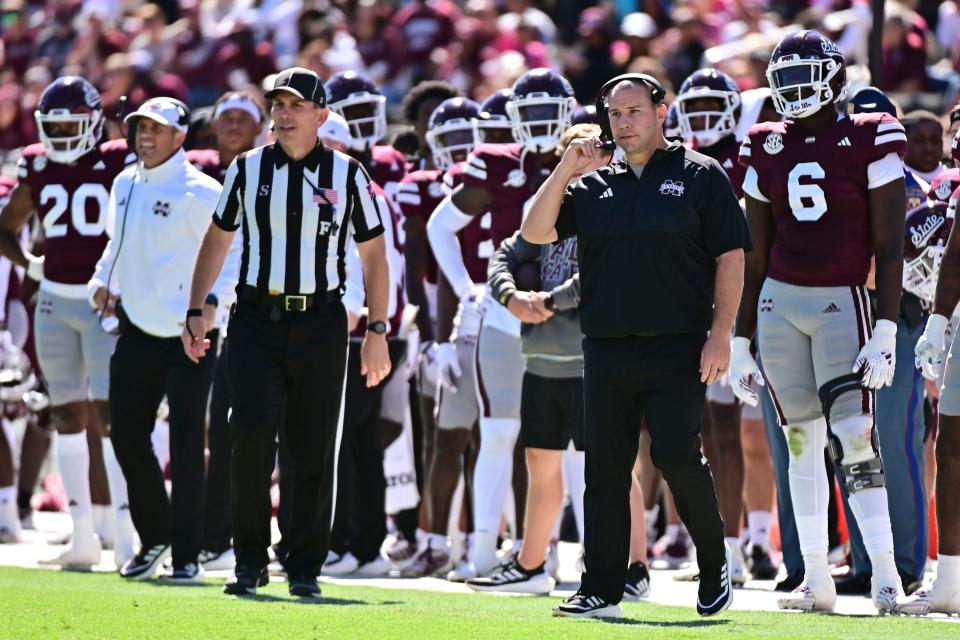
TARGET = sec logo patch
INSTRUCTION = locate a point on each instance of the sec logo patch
(773, 144)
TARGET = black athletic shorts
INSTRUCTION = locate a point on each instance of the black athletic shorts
(551, 412)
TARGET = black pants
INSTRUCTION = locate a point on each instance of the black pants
(625, 380)
(143, 369)
(286, 374)
(360, 524)
(216, 510)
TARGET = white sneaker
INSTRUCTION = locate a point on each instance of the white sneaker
(10, 525)
(886, 598)
(931, 600)
(818, 597)
(738, 565)
(512, 578)
(462, 572)
(337, 565)
(225, 560)
(122, 553)
(376, 568)
(192, 573)
(83, 553)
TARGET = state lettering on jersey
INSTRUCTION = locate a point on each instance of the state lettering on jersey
(672, 188)
(818, 195)
(71, 202)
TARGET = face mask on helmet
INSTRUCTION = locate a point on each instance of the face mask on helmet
(493, 129)
(67, 136)
(671, 124)
(366, 116)
(800, 87)
(539, 119)
(707, 115)
(451, 142)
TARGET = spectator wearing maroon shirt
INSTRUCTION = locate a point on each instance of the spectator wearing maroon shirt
(425, 25)
(18, 38)
(904, 54)
(243, 60)
(16, 124)
(376, 43)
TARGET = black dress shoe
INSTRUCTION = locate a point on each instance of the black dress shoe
(304, 586)
(246, 580)
(853, 584)
(790, 583)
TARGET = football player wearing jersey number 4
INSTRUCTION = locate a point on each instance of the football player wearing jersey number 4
(824, 192)
(66, 179)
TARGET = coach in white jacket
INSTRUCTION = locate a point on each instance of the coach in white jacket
(160, 210)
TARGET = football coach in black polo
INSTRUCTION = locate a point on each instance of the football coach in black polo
(298, 203)
(660, 241)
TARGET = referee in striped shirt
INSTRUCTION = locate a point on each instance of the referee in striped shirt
(297, 203)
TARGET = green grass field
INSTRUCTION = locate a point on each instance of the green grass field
(38, 604)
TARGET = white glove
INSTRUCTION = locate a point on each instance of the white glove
(428, 364)
(929, 349)
(35, 268)
(877, 359)
(742, 368)
(448, 365)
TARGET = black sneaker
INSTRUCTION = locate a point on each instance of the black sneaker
(761, 566)
(715, 594)
(580, 605)
(512, 578)
(190, 573)
(853, 584)
(304, 586)
(788, 584)
(245, 581)
(143, 565)
(638, 582)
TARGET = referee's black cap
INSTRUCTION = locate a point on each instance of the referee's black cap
(303, 83)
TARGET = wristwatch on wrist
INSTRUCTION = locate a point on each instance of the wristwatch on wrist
(212, 299)
(506, 295)
(379, 327)
(550, 304)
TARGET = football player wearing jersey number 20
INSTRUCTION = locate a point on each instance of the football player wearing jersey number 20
(66, 179)
(824, 192)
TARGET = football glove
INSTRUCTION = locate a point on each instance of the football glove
(742, 368)
(448, 365)
(878, 358)
(929, 349)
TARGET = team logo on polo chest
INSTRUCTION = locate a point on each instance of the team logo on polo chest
(671, 188)
(161, 209)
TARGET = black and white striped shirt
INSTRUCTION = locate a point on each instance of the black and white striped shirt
(297, 217)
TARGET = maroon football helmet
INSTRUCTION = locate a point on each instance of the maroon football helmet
(806, 72)
(708, 126)
(69, 119)
(540, 109)
(925, 239)
(361, 104)
(943, 186)
(584, 114)
(493, 125)
(451, 133)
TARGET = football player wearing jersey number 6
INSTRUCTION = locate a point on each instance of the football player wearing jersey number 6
(824, 192)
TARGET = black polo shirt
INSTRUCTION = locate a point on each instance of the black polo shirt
(647, 246)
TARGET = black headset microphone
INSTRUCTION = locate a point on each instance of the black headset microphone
(657, 94)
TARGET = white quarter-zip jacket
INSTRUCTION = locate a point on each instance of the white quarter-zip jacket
(156, 221)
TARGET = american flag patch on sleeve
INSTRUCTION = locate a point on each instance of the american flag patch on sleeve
(325, 196)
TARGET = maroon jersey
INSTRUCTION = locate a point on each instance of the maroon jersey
(71, 201)
(418, 195)
(387, 167)
(208, 161)
(476, 246)
(817, 185)
(725, 152)
(496, 169)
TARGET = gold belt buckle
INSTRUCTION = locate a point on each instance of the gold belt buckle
(288, 303)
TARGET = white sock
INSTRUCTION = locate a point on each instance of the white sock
(758, 523)
(438, 541)
(103, 524)
(732, 541)
(73, 456)
(573, 464)
(673, 532)
(493, 471)
(124, 532)
(483, 553)
(809, 489)
(948, 572)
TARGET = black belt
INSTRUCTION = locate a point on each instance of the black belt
(286, 302)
